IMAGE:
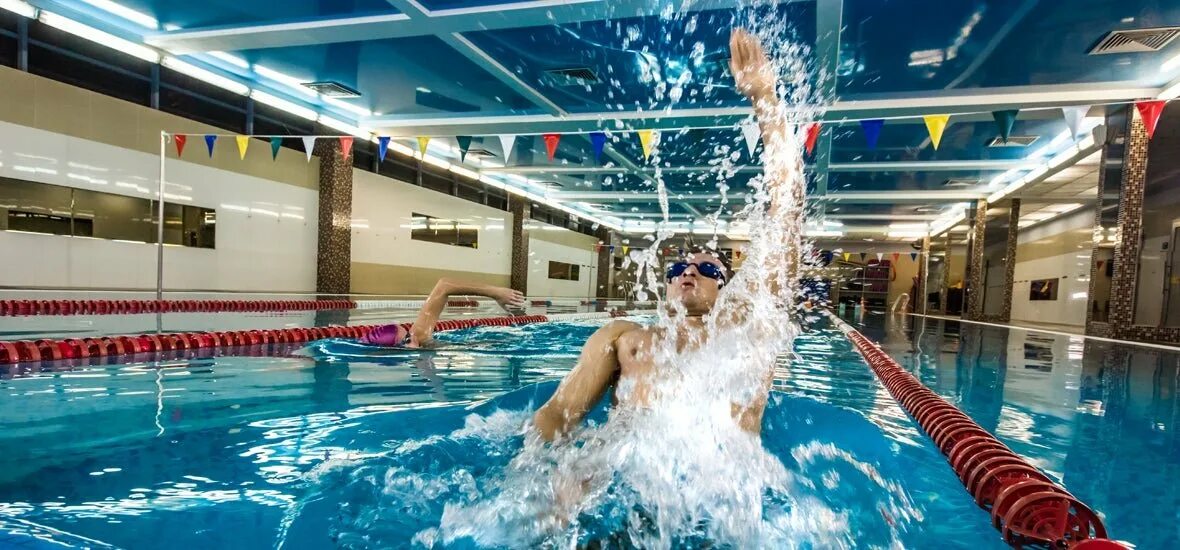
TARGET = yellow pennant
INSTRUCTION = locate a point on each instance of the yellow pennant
(243, 144)
(847, 255)
(625, 249)
(423, 141)
(647, 139)
(936, 125)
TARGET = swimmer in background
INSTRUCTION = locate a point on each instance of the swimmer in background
(621, 353)
(421, 333)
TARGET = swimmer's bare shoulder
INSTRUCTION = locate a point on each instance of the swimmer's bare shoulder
(597, 368)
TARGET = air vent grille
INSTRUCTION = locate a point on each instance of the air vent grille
(953, 182)
(579, 76)
(1136, 41)
(480, 153)
(332, 89)
(1014, 141)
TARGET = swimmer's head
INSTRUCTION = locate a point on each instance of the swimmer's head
(696, 279)
(388, 335)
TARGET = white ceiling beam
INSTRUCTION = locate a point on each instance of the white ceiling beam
(869, 197)
(435, 22)
(900, 166)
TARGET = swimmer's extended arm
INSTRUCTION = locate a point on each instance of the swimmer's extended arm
(423, 329)
(584, 386)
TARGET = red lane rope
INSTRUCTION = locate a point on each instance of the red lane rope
(1027, 507)
(119, 307)
(73, 348)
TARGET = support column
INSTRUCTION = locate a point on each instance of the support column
(973, 277)
(334, 256)
(1005, 313)
(521, 209)
(1129, 237)
(605, 262)
(919, 301)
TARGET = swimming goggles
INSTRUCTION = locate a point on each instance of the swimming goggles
(706, 269)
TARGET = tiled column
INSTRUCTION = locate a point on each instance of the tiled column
(521, 210)
(973, 278)
(1005, 313)
(919, 301)
(1128, 238)
(605, 261)
(334, 255)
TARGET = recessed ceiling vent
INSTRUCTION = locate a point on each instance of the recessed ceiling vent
(579, 76)
(332, 88)
(1013, 141)
(1136, 41)
(481, 153)
(953, 182)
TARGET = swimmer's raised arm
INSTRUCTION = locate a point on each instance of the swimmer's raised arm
(583, 387)
(423, 329)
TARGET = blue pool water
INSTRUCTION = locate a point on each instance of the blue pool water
(343, 446)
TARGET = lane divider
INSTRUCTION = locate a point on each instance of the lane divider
(120, 307)
(1027, 507)
(109, 346)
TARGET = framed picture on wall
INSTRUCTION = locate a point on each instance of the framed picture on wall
(1043, 289)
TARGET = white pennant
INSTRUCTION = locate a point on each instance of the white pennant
(309, 145)
(880, 255)
(752, 133)
(507, 141)
(1073, 118)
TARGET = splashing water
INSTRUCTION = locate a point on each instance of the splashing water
(677, 471)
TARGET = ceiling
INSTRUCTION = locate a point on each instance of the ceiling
(482, 68)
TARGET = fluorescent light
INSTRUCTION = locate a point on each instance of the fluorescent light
(905, 226)
(282, 104)
(19, 7)
(906, 234)
(1170, 64)
(284, 78)
(345, 127)
(231, 59)
(464, 172)
(205, 76)
(1171, 92)
(125, 12)
(348, 107)
(435, 161)
(100, 37)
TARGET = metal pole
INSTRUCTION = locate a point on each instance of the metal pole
(160, 220)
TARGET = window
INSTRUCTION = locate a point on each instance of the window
(437, 230)
(1043, 289)
(55, 210)
(564, 271)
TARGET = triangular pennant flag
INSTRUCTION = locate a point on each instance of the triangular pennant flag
(1150, 111)
(598, 143)
(1073, 118)
(243, 144)
(551, 141)
(914, 256)
(612, 248)
(872, 130)
(936, 125)
(275, 144)
(209, 141)
(896, 257)
(863, 255)
(1005, 120)
(752, 132)
(382, 147)
(464, 146)
(812, 136)
(180, 139)
(647, 139)
(847, 255)
(507, 144)
(625, 249)
(309, 146)
(880, 256)
(423, 142)
(345, 147)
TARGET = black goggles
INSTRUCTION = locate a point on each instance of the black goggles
(706, 269)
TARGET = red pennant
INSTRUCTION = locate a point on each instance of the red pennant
(1150, 111)
(551, 141)
(346, 146)
(812, 136)
(896, 256)
(180, 139)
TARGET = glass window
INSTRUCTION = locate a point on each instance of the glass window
(564, 271)
(438, 230)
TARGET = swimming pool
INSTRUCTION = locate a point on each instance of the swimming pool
(299, 451)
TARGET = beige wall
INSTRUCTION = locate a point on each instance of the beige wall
(408, 280)
(38, 102)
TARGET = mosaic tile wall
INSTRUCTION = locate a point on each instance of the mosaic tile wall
(918, 303)
(605, 259)
(973, 278)
(334, 254)
(1005, 313)
(520, 210)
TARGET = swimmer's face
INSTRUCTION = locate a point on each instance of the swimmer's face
(697, 292)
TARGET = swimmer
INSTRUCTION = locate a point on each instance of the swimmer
(421, 333)
(621, 352)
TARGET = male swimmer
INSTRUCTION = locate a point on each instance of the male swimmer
(622, 351)
(421, 333)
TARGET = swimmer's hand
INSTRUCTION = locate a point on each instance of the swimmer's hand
(751, 68)
(509, 299)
